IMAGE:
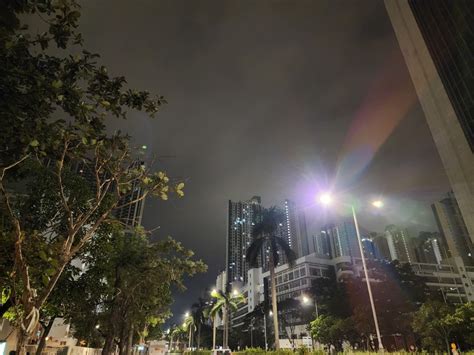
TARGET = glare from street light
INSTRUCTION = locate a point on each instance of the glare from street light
(186, 314)
(305, 299)
(377, 203)
(214, 293)
(270, 313)
(325, 199)
(97, 326)
(235, 292)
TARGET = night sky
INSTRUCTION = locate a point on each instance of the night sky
(280, 99)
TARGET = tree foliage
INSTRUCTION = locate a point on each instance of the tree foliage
(127, 286)
(62, 173)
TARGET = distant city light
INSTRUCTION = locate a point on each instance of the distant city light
(144, 147)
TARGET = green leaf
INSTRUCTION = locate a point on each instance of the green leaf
(34, 143)
(50, 271)
(45, 279)
(84, 140)
(43, 255)
(57, 84)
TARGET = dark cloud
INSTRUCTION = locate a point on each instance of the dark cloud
(262, 95)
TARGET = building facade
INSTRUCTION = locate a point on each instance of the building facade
(400, 245)
(341, 238)
(452, 228)
(436, 40)
(295, 228)
(242, 217)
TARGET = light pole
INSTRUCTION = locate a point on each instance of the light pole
(326, 199)
(306, 300)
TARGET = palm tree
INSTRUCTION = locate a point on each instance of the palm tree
(176, 334)
(189, 325)
(197, 310)
(224, 302)
(264, 236)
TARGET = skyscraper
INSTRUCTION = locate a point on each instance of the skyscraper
(437, 42)
(452, 228)
(382, 250)
(321, 244)
(400, 245)
(130, 214)
(342, 238)
(242, 216)
(295, 228)
(428, 248)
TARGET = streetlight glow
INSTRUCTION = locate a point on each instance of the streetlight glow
(305, 299)
(235, 292)
(186, 314)
(377, 203)
(325, 199)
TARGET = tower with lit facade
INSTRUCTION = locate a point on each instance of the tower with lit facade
(437, 42)
(242, 217)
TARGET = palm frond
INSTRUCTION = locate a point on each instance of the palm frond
(253, 251)
(274, 251)
(289, 253)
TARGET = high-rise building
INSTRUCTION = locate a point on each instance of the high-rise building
(342, 239)
(428, 249)
(129, 213)
(382, 250)
(400, 245)
(453, 230)
(437, 42)
(321, 244)
(242, 216)
(295, 228)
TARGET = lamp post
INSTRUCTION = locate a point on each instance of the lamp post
(306, 300)
(326, 199)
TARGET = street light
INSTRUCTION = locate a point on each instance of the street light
(307, 300)
(326, 199)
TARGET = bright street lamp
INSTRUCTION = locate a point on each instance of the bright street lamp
(377, 203)
(326, 200)
(186, 314)
(306, 300)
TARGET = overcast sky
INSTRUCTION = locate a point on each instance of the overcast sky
(280, 99)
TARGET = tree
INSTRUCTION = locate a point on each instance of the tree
(225, 303)
(197, 310)
(62, 174)
(189, 326)
(264, 236)
(432, 324)
(126, 288)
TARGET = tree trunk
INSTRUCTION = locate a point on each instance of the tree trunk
(199, 336)
(224, 335)
(22, 340)
(130, 341)
(45, 333)
(109, 343)
(274, 303)
(214, 331)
